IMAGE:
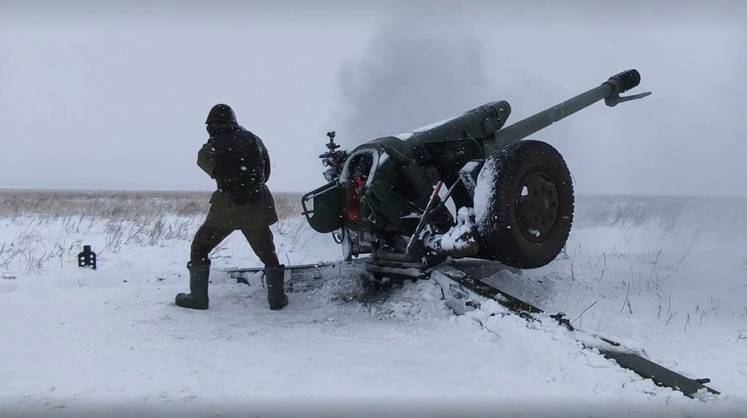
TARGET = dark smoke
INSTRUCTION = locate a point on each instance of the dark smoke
(405, 80)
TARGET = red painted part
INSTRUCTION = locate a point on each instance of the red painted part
(352, 208)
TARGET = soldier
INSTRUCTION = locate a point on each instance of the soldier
(238, 161)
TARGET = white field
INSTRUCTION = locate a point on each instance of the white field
(669, 275)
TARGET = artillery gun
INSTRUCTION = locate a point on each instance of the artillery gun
(511, 201)
(463, 187)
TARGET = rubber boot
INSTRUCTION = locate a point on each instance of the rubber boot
(198, 287)
(275, 293)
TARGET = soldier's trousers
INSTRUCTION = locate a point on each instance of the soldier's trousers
(208, 237)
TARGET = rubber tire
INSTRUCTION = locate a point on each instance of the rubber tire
(500, 234)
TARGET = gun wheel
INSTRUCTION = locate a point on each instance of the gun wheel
(529, 215)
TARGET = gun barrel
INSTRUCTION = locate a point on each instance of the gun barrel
(615, 85)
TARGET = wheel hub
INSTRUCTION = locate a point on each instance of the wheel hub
(536, 205)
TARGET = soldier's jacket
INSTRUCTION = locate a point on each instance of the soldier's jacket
(206, 158)
(224, 213)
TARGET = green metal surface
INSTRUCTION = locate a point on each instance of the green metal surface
(324, 207)
(611, 88)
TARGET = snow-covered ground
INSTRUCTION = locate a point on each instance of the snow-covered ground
(668, 275)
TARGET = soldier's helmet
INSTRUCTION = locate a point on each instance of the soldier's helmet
(221, 113)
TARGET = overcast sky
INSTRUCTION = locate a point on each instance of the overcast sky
(109, 95)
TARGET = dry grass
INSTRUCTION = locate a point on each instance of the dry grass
(118, 205)
(51, 226)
